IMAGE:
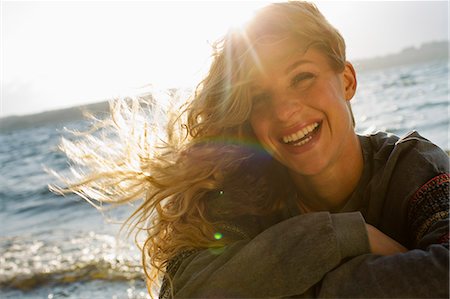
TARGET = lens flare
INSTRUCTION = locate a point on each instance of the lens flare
(218, 236)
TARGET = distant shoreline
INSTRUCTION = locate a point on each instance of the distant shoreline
(60, 116)
(412, 55)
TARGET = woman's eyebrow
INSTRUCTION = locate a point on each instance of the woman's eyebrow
(295, 64)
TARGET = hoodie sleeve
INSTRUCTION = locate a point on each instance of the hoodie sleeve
(284, 260)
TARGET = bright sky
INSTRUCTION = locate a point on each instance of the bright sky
(58, 54)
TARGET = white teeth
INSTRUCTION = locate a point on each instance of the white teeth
(300, 134)
(303, 141)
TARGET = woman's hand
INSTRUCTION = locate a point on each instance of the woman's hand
(382, 244)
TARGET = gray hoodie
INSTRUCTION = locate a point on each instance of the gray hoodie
(403, 191)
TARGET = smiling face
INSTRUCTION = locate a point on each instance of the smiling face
(300, 110)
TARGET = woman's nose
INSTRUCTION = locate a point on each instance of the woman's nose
(285, 106)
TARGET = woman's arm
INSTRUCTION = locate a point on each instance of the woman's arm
(422, 272)
(284, 260)
(381, 244)
(289, 259)
(414, 274)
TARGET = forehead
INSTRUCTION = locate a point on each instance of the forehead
(283, 56)
(273, 53)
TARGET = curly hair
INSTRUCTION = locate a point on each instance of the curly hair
(170, 162)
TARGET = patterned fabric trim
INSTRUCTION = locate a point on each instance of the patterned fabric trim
(424, 227)
(428, 205)
(171, 269)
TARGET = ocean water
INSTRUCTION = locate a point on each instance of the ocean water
(61, 247)
(401, 99)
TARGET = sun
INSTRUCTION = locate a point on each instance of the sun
(235, 15)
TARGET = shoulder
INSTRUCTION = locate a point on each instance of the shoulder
(421, 147)
(411, 150)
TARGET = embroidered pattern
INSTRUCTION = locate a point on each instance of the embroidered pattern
(428, 205)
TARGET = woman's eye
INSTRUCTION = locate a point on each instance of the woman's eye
(301, 77)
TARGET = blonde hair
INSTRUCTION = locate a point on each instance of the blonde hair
(173, 161)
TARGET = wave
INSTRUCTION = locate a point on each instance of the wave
(30, 262)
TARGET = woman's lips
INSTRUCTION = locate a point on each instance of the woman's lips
(301, 134)
(306, 141)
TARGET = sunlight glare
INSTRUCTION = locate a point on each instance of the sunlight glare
(234, 15)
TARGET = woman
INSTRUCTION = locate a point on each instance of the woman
(267, 191)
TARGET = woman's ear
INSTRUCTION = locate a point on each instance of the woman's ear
(350, 81)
